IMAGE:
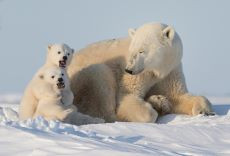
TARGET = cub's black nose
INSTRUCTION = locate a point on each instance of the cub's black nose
(128, 71)
(60, 79)
(64, 57)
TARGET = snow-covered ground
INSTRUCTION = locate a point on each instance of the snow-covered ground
(172, 135)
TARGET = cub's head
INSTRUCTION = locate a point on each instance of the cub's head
(59, 54)
(154, 47)
(55, 76)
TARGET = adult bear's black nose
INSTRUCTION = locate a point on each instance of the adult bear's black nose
(64, 57)
(128, 71)
(60, 79)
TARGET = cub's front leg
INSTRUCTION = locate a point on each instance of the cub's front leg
(67, 97)
(52, 110)
(45, 90)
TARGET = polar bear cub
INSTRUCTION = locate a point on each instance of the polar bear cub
(59, 56)
(57, 106)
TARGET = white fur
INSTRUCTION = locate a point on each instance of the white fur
(151, 49)
(160, 103)
(103, 89)
(56, 52)
(38, 88)
(55, 107)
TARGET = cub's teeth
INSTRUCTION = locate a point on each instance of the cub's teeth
(62, 62)
(61, 85)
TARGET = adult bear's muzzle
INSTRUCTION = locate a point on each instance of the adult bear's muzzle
(129, 71)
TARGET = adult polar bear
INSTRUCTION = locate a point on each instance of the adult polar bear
(115, 79)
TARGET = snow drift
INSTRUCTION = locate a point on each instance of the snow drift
(172, 135)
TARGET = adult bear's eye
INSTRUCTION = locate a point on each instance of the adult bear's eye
(141, 52)
(59, 52)
(52, 77)
(68, 53)
(62, 74)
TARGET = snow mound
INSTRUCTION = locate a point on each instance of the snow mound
(171, 135)
(8, 114)
(173, 119)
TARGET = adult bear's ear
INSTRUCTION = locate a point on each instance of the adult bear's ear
(72, 51)
(49, 46)
(41, 76)
(169, 33)
(131, 32)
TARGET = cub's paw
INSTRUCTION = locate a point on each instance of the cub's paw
(160, 103)
(58, 95)
(65, 113)
(202, 106)
(54, 95)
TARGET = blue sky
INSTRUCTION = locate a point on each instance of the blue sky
(28, 26)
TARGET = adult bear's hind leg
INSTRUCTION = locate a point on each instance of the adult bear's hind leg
(134, 109)
(94, 89)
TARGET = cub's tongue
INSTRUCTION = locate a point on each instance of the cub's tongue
(62, 63)
(61, 85)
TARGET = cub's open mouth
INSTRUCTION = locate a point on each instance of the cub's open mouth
(62, 63)
(61, 85)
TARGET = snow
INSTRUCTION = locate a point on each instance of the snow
(171, 135)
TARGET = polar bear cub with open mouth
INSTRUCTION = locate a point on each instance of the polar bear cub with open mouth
(55, 107)
(59, 55)
(58, 58)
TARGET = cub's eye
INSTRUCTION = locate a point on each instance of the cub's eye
(68, 53)
(59, 52)
(52, 77)
(62, 74)
(141, 52)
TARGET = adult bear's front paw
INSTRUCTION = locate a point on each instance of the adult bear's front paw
(160, 103)
(202, 106)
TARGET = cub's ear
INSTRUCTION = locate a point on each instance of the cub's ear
(72, 50)
(41, 76)
(131, 32)
(49, 46)
(169, 33)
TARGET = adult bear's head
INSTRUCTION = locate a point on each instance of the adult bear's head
(154, 47)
